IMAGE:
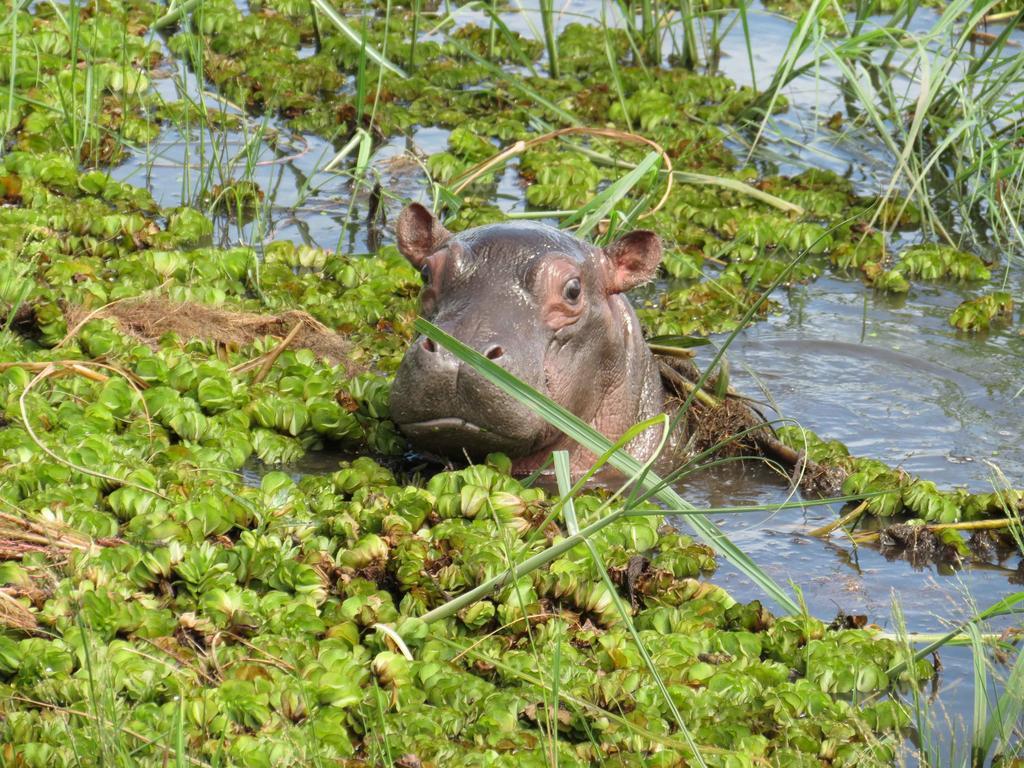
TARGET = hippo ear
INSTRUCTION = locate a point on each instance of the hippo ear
(419, 233)
(633, 259)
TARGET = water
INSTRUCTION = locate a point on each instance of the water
(888, 377)
(894, 382)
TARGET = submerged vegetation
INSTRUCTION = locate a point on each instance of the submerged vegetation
(159, 604)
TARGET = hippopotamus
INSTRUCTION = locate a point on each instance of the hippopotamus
(547, 307)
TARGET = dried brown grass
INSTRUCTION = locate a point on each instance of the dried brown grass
(148, 319)
(15, 616)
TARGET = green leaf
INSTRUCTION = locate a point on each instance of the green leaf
(591, 214)
(346, 29)
(1006, 714)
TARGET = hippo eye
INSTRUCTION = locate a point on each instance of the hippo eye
(572, 290)
(425, 274)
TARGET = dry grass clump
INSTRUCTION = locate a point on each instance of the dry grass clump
(15, 616)
(150, 318)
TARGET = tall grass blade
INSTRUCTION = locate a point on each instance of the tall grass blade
(556, 679)
(346, 29)
(415, 33)
(922, 720)
(787, 68)
(547, 13)
(1005, 724)
(613, 68)
(597, 443)
(12, 66)
(564, 480)
(980, 673)
(1007, 606)
(690, 56)
(742, 6)
(591, 214)
(179, 733)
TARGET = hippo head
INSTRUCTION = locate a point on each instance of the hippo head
(540, 303)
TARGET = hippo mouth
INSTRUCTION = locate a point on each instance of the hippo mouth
(443, 424)
(452, 433)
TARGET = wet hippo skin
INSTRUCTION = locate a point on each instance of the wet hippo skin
(547, 307)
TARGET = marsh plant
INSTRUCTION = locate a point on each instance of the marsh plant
(171, 591)
(938, 100)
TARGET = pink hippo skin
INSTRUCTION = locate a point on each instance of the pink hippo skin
(547, 307)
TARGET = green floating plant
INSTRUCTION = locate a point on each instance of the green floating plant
(288, 580)
(889, 492)
(936, 262)
(979, 313)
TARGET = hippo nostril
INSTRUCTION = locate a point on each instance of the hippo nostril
(494, 352)
(429, 345)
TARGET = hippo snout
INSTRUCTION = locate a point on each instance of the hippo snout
(438, 367)
(491, 352)
(439, 356)
(439, 401)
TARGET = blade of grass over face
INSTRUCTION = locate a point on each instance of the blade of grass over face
(597, 443)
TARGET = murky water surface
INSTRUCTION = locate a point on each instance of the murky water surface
(896, 383)
(888, 377)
